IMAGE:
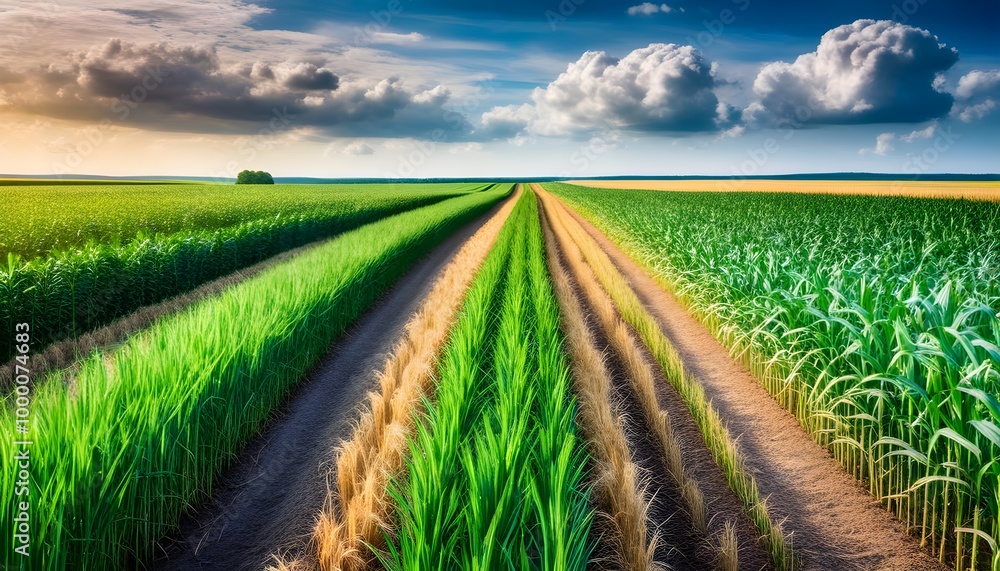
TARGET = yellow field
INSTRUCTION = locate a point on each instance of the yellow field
(977, 190)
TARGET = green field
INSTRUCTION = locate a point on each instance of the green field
(501, 433)
(873, 319)
(119, 457)
(38, 220)
(78, 257)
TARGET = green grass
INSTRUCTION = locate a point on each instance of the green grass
(495, 475)
(115, 263)
(873, 319)
(140, 435)
(38, 220)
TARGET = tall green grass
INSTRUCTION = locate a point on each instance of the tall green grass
(873, 319)
(133, 439)
(161, 241)
(495, 475)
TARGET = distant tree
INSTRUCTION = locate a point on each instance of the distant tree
(254, 177)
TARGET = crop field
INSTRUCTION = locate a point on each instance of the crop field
(972, 190)
(86, 255)
(873, 320)
(499, 376)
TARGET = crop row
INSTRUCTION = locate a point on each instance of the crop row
(71, 292)
(873, 319)
(39, 219)
(495, 475)
(130, 439)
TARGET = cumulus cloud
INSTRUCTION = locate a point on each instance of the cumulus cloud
(976, 95)
(181, 87)
(509, 120)
(925, 133)
(659, 88)
(648, 9)
(883, 145)
(865, 72)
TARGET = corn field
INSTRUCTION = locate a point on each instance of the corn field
(872, 319)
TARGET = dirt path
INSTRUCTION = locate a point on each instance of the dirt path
(680, 546)
(268, 502)
(835, 522)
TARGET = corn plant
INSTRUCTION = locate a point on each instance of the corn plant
(873, 319)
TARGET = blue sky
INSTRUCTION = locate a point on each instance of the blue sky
(571, 88)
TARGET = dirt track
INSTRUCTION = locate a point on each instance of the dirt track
(680, 545)
(836, 523)
(977, 190)
(268, 501)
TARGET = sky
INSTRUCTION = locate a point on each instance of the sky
(451, 88)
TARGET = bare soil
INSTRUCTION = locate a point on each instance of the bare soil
(268, 500)
(680, 545)
(835, 522)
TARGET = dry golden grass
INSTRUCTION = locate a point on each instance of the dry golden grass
(720, 442)
(975, 190)
(616, 483)
(627, 347)
(358, 508)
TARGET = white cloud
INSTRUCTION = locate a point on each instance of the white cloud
(648, 9)
(925, 133)
(976, 83)
(977, 111)
(659, 88)
(977, 94)
(397, 39)
(883, 145)
(509, 120)
(865, 72)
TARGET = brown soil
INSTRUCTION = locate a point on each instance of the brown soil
(268, 501)
(834, 521)
(680, 546)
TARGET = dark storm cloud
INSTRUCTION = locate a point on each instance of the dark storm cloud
(307, 77)
(169, 87)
